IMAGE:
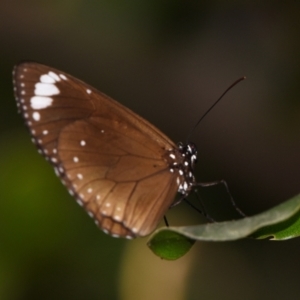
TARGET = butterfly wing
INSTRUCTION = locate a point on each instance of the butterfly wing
(113, 161)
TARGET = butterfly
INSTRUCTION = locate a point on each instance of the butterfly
(119, 167)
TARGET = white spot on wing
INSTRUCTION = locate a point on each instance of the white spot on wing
(134, 229)
(79, 202)
(47, 79)
(54, 76)
(88, 91)
(45, 132)
(46, 89)
(36, 116)
(79, 176)
(39, 102)
(82, 143)
(56, 172)
(89, 190)
(62, 76)
(117, 217)
(75, 159)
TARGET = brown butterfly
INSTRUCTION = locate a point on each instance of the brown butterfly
(119, 167)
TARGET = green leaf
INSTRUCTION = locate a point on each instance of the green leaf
(287, 229)
(170, 245)
(279, 223)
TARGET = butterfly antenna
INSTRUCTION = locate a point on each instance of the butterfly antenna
(229, 88)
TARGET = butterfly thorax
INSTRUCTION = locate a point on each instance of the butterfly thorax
(183, 160)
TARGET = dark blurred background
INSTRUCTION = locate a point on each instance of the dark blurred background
(168, 61)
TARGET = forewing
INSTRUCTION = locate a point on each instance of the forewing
(110, 159)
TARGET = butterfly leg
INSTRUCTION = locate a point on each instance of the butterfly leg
(202, 211)
(166, 221)
(224, 183)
